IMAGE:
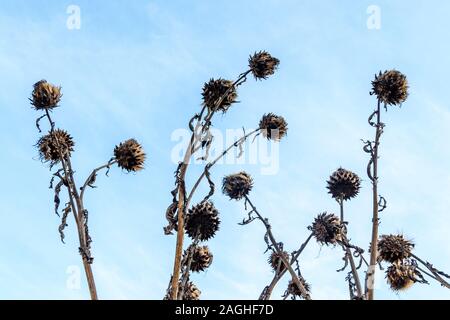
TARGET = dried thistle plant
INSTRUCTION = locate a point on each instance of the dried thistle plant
(56, 148)
(201, 222)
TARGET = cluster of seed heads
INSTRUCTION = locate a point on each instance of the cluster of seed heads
(262, 65)
(202, 258)
(391, 87)
(343, 184)
(219, 94)
(273, 127)
(55, 145)
(45, 96)
(202, 221)
(237, 186)
(130, 155)
(327, 229)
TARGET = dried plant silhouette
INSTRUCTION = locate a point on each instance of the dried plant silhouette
(56, 148)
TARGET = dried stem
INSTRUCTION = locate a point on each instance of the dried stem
(276, 246)
(349, 254)
(437, 275)
(267, 292)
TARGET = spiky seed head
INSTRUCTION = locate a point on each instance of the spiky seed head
(191, 292)
(130, 155)
(54, 145)
(343, 183)
(391, 87)
(327, 229)
(45, 95)
(203, 221)
(401, 275)
(202, 258)
(214, 90)
(273, 127)
(237, 186)
(276, 262)
(262, 65)
(392, 248)
(295, 291)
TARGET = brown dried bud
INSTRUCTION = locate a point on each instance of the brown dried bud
(55, 145)
(273, 127)
(191, 292)
(327, 229)
(276, 262)
(262, 65)
(202, 221)
(45, 95)
(219, 95)
(343, 183)
(295, 291)
(237, 186)
(401, 275)
(130, 155)
(202, 258)
(391, 87)
(392, 248)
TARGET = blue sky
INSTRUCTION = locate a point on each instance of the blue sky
(136, 68)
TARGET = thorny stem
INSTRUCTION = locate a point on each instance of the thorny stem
(77, 210)
(267, 292)
(181, 206)
(375, 219)
(268, 227)
(436, 273)
(349, 254)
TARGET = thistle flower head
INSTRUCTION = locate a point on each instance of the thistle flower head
(237, 186)
(276, 262)
(191, 292)
(343, 183)
(391, 87)
(262, 65)
(401, 275)
(202, 221)
(55, 145)
(295, 291)
(327, 229)
(273, 127)
(219, 94)
(202, 258)
(45, 96)
(130, 155)
(392, 248)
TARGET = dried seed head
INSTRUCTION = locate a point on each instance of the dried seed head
(45, 95)
(327, 229)
(203, 221)
(273, 127)
(391, 87)
(262, 64)
(202, 258)
(237, 186)
(214, 90)
(392, 248)
(401, 275)
(130, 155)
(48, 146)
(191, 292)
(275, 261)
(295, 291)
(343, 183)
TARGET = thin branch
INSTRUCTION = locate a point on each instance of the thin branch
(91, 179)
